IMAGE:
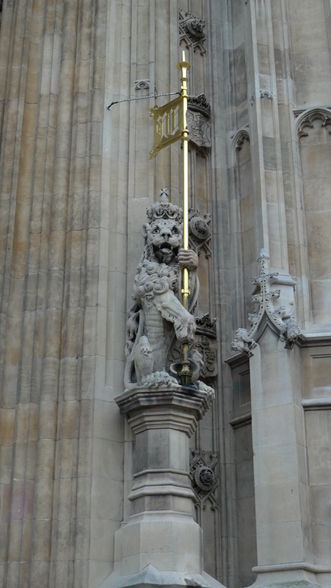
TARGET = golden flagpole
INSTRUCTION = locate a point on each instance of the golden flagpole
(170, 125)
(184, 66)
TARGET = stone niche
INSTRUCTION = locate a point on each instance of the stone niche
(314, 130)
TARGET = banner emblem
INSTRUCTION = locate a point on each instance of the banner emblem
(168, 124)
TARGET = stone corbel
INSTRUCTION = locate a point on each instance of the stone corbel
(191, 31)
(268, 310)
(267, 94)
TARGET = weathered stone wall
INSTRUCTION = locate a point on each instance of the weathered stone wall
(52, 90)
(75, 184)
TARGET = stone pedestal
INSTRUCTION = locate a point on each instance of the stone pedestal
(161, 544)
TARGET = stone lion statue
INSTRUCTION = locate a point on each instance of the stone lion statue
(157, 318)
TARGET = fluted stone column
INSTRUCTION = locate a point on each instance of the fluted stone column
(161, 544)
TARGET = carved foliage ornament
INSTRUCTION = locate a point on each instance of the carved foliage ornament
(142, 85)
(267, 94)
(191, 31)
(199, 104)
(279, 319)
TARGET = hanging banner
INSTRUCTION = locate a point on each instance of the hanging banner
(168, 124)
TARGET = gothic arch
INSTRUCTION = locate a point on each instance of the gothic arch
(314, 151)
(240, 137)
(307, 118)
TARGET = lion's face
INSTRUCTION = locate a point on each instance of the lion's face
(164, 238)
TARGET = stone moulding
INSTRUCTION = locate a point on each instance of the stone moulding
(316, 403)
(280, 319)
(304, 566)
(142, 407)
(306, 118)
(151, 576)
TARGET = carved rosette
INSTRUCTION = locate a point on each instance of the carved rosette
(203, 477)
(268, 311)
(200, 232)
(192, 31)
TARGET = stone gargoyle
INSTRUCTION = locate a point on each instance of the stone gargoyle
(157, 318)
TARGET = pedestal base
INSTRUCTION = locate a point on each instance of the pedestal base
(150, 577)
(161, 544)
(159, 549)
(293, 576)
(166, 540)
(298, 583)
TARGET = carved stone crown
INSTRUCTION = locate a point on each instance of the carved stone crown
(199, 104)
(164, 209)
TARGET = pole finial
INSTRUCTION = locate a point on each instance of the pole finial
(183, 65)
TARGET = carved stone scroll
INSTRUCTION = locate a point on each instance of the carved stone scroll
(266, 94)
